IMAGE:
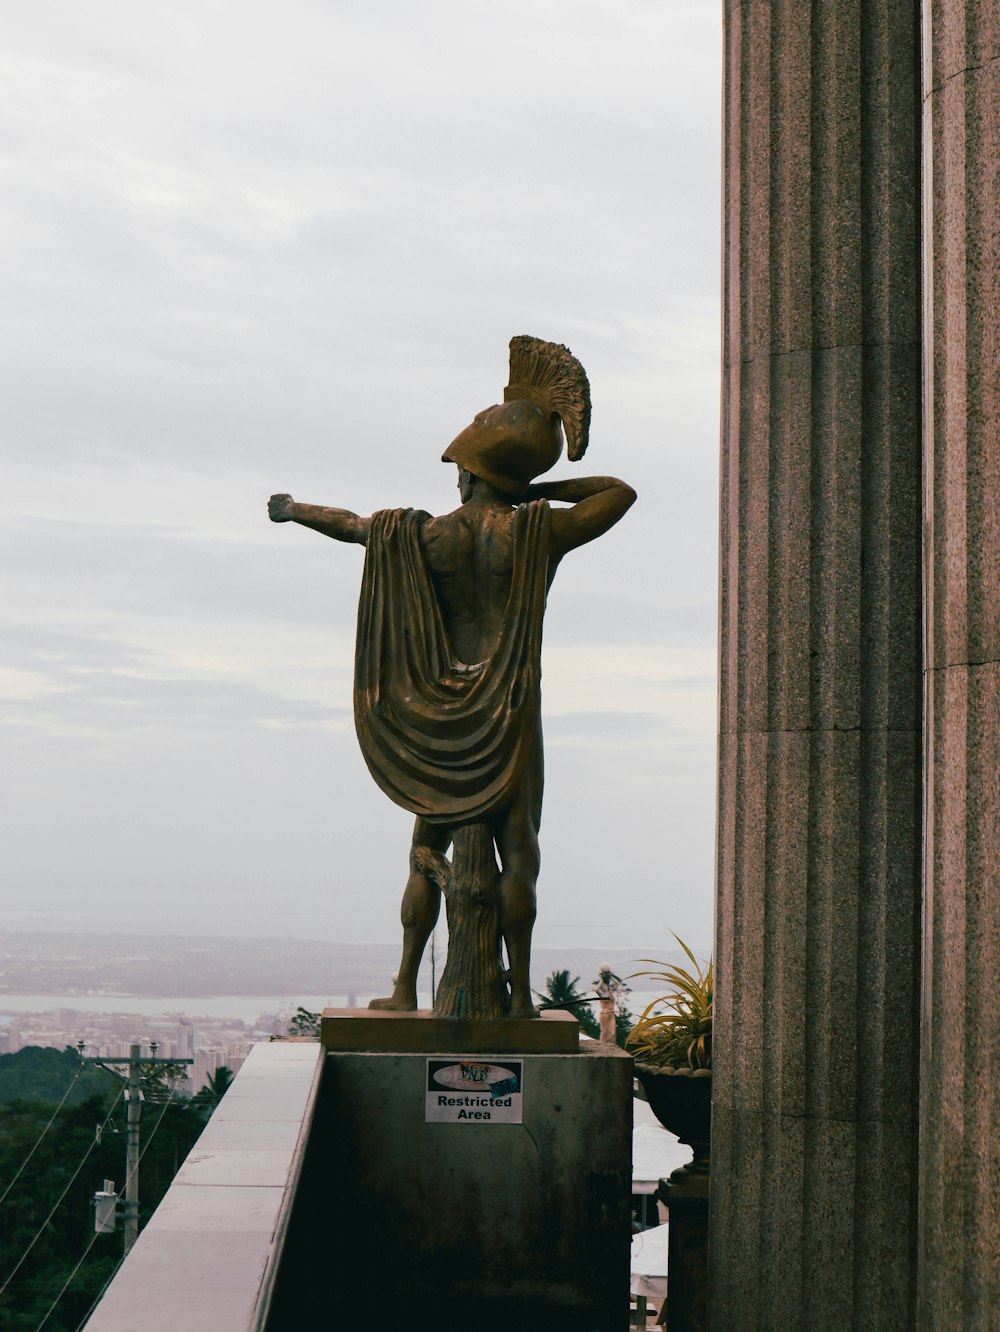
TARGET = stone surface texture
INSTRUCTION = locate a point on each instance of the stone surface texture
(959, 1225)
(454, 1226)
(818, 910)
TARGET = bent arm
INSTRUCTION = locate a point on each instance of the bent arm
(598, 503)
(340, 524)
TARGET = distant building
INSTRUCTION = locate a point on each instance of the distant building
(187, 1039)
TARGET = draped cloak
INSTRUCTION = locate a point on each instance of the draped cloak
(443, 739)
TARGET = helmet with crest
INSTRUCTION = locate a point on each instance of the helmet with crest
(510, 444)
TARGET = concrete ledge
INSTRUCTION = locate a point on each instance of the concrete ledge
(380, 1032)
(207, 1259)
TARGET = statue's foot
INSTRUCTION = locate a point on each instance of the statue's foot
(522, 1007)
(396, 1003)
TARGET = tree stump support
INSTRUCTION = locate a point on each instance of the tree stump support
(474, 983)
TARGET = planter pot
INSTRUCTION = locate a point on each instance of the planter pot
(683, 1104)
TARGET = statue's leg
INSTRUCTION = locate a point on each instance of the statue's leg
(516, 834)
(419, 913)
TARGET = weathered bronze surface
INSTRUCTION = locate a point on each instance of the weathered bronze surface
(447, 673)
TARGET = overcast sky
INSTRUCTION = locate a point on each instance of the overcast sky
(253, 247)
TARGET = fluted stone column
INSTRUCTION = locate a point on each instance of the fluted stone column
(813, 1209)
(960, 1056)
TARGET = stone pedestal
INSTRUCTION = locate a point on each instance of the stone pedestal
(423, 1032)
(687, 1253)
(817, 949)
(473, 1223)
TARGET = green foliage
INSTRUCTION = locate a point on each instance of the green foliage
(216, 1086)
(561, 992)
(160, 1082)
(675, 1030)
(167, 1134)
(44, 1073)
(220, 1081)
(304, 1023)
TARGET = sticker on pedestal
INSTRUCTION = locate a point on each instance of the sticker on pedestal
(470, 1091)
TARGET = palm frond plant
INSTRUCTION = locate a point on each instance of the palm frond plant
(561, 992)
(672, 1045)
(675, 1030)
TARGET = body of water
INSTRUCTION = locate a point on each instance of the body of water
(245, 1007)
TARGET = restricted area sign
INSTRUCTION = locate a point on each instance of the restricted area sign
(470, 1091)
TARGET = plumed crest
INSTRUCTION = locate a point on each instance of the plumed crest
(548, 374)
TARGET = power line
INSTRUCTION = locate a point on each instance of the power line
(62, 1195)
(66, 1284)
(97, 1298)
(76, 1079)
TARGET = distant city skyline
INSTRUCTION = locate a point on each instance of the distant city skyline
(110, 990)
(253, 252)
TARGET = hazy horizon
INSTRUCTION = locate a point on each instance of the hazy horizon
(107, 972)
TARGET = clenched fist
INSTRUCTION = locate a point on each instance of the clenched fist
(279, 508)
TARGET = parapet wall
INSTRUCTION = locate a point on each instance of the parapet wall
(205, 1261)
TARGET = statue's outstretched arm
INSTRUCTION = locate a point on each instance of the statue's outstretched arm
(598, 503)
(340, 524)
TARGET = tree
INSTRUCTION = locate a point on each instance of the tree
(220, 1081)
(161, 1082)
(304, 1023)
(561, 992)
(216, 1086)
(69, 1161)
(46, 1074)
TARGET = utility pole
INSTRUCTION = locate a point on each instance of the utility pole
(133, 1115)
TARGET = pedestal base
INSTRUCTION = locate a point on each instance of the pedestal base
(422, 1032)
(478, 1223)
(687, 1251)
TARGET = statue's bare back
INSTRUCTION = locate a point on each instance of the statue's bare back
(470, 555)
